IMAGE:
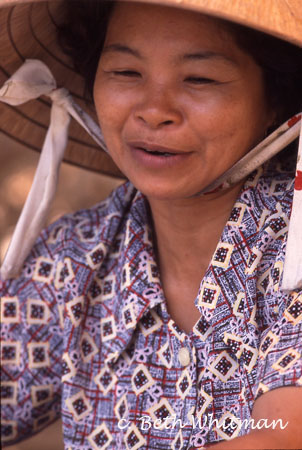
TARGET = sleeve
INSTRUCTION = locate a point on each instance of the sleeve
(281, 345)
(32, 337)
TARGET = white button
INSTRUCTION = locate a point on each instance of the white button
(184, 356)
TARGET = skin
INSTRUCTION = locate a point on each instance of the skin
(213, 109)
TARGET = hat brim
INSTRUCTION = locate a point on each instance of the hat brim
(279, 18)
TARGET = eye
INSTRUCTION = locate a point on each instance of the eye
(126, 73)
(199, 80)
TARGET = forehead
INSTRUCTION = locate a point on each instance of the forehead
(142, 22)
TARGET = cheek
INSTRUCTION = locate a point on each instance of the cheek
(105, 108)
(219, 107)
(111, 117)
(227, 128)
(113, 111)
(220, 117)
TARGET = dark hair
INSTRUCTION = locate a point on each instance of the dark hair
(281, 63)
(83, 33)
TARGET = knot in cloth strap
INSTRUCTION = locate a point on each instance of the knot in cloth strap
(60, 97)
(29, 82)
(32, 80)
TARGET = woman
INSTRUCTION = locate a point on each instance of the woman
(164, 303)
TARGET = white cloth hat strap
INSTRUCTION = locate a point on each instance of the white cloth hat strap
(265, 150)
(34, 79)
(292, 272)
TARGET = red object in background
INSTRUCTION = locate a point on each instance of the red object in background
(298, 181)
(294, 120)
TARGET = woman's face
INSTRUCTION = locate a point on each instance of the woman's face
(178, 101)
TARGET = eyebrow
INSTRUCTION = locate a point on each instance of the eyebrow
(120, 48)
(198, 56)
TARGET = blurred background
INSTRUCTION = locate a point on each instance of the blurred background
(77, 189)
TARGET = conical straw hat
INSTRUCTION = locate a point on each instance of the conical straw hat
(28, 30)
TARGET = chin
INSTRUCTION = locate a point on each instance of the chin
(163, 191)
(163, 185)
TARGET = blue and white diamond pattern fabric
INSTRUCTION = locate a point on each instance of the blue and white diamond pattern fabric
(86, 332)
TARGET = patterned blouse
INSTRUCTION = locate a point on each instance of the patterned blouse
(87, 335)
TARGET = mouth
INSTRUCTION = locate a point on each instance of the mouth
(155, 150)
(156, 153)
(156, 157)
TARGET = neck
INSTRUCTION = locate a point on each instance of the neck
(188, 230)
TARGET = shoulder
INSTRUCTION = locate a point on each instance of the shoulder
(87, 227)
(266, 199)
(262, 212)
(65, 245)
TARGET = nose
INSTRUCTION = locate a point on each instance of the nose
(158, 108)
